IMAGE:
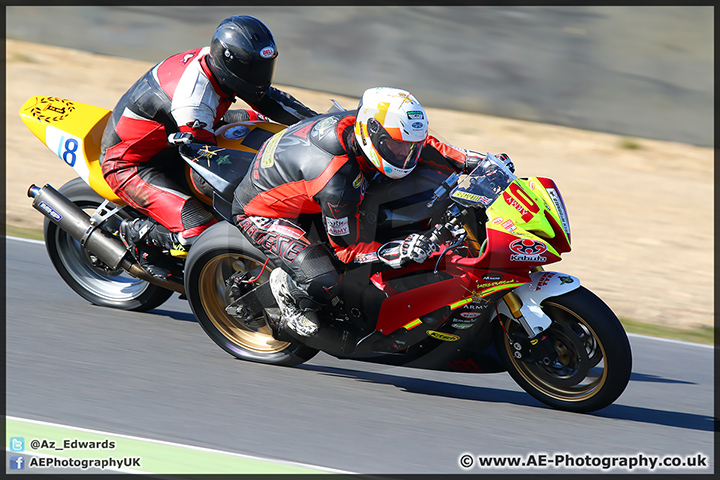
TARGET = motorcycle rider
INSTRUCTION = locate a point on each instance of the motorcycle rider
(325, 165)
(183, 99)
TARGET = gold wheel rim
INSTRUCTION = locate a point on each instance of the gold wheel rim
(211, 286)
(565, 394)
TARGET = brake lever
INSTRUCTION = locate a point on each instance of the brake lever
(457, 242)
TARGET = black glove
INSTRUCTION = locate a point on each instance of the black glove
(473, 158)
(399, 253)
(503, 157)
(179, 138)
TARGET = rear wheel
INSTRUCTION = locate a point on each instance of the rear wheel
(87, 275)
(218, 268)
(594, 360)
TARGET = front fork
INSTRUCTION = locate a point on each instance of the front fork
(523, 305)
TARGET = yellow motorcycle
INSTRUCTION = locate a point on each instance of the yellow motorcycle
(82, 217)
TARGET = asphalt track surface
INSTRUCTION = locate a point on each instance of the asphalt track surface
(157, 376)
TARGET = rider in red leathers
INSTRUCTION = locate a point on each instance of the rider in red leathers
(182, 99)
(325, 165)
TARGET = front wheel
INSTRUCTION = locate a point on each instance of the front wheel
(222, 266)
(593, 363)
(85, 273)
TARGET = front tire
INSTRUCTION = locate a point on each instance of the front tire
(86, 274)
(221, 252)
(594, 358)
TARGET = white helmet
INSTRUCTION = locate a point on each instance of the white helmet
(391, 128)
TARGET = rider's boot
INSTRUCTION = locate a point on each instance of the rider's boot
(298, 310)
(146, 239)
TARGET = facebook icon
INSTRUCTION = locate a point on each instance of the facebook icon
(17, 462)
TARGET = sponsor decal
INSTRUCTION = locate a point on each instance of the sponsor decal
(325, 126)
(366, 257)
(51, 109)
(267, 52)
(477, 306)
(286, 228)
(196, 124)
(358, 180)
(528, 246)
(236, 133)
(461, 326)
(445, 337)
(544, 280)
(208, 152)
(417, 125)
(415, 115)
(50, 211)
(531, 184)
(469, 315)
(471, 197)
(336, 209)
(285, 247)
(187, 58)
(527, 258)
(566, 279)
(557, 202)
(268, 156)
(492, 277)
(509, 226)
(498, 221)
(338, 227)
(526, 215)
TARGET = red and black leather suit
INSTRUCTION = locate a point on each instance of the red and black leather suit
(179, 94)
(313, 167)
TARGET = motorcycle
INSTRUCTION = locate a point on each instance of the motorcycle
(482, 303)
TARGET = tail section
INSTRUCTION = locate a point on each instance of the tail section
(73, 131)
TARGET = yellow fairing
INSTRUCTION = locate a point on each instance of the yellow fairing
(73, 131)
(521, 211)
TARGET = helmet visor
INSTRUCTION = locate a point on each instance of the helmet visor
(398, 153)
(252, 73)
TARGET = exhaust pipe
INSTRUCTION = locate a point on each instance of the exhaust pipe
(73, 220)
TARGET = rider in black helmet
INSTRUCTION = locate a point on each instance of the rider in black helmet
(182, 99)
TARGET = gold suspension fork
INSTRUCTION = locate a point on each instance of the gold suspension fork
(515, 304)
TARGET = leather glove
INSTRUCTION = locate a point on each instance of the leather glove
(399, 253)
(473, 158)
(417, 247)
(179, 138)
(503, 157)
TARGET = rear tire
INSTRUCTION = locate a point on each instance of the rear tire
(220, 252)
(86, 274)
(594, 357)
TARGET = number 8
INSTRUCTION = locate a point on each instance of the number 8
(69, 154)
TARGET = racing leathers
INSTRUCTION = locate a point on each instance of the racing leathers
(314, 167)
(179, 94)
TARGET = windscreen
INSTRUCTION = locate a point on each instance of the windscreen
(484, 184)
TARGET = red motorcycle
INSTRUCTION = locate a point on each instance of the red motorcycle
(481, 304)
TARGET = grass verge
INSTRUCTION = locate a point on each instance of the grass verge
(702, 334)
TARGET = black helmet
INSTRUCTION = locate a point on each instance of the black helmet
(242, 56)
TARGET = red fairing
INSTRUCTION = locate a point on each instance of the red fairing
(402, 308)
(564, 246)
